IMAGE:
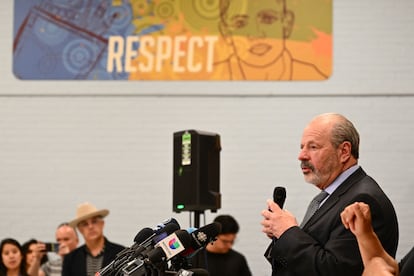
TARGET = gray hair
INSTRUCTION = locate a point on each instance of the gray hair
(343, 130)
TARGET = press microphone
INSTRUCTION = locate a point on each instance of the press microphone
(124, 255)
(154, 255)
(143, 240)
(149, 243)
(279, 196)
(160, 226)
(161, 231)
(199, 239)
(202, 236)
(143, 234)
(169, 247)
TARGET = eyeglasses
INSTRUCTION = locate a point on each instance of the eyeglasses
(91, 221)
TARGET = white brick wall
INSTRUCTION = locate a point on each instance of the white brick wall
(116, 152)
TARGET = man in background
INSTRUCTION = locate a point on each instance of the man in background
(68, 240)
(98, 251)
(219, 258)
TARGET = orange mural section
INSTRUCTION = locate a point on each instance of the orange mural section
(185, 58)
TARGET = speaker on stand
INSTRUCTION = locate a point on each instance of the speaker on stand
(196, 172)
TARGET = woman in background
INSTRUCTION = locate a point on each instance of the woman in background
(12, 259)
(34, 255)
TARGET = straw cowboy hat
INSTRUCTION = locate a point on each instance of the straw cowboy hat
(85, 211)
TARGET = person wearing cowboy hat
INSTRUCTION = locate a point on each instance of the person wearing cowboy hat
(98, 251)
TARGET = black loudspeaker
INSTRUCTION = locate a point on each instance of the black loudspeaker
(196, 171)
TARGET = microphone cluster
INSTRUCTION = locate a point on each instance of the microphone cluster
(163, 250)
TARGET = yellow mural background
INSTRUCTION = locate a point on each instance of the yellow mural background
(309, 45)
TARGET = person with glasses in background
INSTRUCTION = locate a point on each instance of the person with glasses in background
(219, 258)
(98, 251)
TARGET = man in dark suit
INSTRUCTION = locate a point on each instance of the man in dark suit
(98, 251)
(321, 245)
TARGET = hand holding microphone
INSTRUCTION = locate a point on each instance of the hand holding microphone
(279, 196)
(276, 220)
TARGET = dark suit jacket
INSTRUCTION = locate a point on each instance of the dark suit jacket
(407, 264)
(74, 263)
(324, 247)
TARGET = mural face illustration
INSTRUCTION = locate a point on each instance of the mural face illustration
(256, 29)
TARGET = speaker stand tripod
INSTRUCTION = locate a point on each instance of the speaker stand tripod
(197, 215)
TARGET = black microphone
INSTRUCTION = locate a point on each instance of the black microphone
(160, 226)
(279, 196)
(169, 247)
(124, 255)
(142, 235)
(202, 236)
(153, 240)
(144, 239)
(132, 264)
(161, 231)
(199, 239)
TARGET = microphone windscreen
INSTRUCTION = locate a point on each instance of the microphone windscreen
(163, 224)
(142, 235)
(184, 237)
(167, 230)
(204, 235)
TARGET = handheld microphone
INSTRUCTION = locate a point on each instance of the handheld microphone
(279, 196)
